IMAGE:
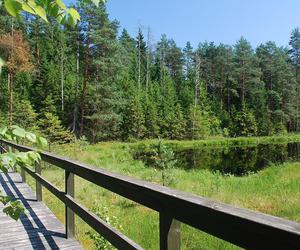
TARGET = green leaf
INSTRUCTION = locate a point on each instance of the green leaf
(61, 4)
(74, 14)
(2, 63)
(29, 6)
(19, 132)
(8, 137)
(3, 131)
(13, 7)
(61, 18)
(30, 137)
(34, 156)
(41, 12)
(42, 142)
(4, 199)
(8, 160)
(22, 156)
(14, 209)
(54, 11)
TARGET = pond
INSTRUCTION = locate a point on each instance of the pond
(237, 161)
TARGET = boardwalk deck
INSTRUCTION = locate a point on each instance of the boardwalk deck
(38, 229)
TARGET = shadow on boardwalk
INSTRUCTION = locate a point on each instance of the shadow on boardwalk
(38, 228)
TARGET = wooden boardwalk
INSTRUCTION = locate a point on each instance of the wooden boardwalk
(38, 229)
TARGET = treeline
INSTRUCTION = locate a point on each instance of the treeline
(90, 81)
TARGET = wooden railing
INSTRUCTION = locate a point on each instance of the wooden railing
(242, 227)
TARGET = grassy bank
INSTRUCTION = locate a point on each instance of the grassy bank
(221, 142)
(275, 190)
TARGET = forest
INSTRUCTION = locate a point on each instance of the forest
(95, 81)
(217, 121)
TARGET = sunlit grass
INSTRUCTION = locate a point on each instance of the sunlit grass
(274, 190)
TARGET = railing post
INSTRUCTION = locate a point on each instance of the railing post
(70, 219)
(39, 193)
(11, 149)
(23, 174)
(169, 233)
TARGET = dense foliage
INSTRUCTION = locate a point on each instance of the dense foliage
(92, 82)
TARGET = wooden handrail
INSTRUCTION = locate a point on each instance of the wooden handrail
(239, 226)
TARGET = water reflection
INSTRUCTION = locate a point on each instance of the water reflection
(236, 161)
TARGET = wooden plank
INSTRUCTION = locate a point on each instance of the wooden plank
(38, 229)
(40, 243)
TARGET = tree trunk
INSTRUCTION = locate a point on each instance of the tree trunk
(10, 85)
(85, 85)
(139, 66)
(62, 80)
(75, 113)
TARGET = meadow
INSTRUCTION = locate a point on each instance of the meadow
(274, 190)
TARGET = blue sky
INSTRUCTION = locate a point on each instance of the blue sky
(221, 21)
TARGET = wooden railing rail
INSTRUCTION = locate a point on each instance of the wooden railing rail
(239, 226)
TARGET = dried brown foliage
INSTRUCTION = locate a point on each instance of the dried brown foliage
(16, 52)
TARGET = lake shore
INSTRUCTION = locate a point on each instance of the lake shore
(220, 142)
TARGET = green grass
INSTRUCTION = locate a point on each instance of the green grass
(275, 190)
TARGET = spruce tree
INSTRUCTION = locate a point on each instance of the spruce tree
(151, 117)
(25, 116)
(50, 127)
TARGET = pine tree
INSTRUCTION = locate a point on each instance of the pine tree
(295, 57)
(247, 73)
(25, 116)
(101, 44)
(280, 84)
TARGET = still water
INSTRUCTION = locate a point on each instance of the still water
(237, 161)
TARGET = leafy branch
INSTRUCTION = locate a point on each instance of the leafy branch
(45, 8)
(10, 159)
